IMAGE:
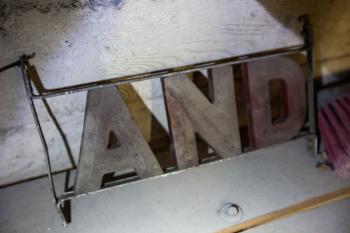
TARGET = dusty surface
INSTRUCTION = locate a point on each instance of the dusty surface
(10, 10)
(190, 201)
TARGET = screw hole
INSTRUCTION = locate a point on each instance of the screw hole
(230, 212)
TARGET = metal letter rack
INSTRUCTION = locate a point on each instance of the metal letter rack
(23, 64)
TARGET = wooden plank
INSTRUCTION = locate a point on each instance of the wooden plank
(111, 142)
(142, 36)
(190, 112)
(188, 201)
(303, 206)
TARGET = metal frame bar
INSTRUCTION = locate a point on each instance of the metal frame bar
(311, 96)
(23, 62)
(166, 72)
(308, 41)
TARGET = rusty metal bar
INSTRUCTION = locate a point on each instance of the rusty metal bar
(28, 89)
(166, 72)
(308, 41)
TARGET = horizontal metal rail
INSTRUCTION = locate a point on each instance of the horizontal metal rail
(166, 72)
(157, 74)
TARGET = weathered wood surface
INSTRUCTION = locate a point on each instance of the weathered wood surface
(257, 76)
(189, 201)
(111, 142)
(141, 36)
(190, 112)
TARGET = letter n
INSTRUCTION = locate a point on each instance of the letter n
(190, 112)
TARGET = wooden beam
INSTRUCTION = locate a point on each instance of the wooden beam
(303, 206)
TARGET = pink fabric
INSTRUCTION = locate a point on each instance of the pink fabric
(334, 125)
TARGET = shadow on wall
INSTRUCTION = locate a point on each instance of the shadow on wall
(331, 27)
(55, 31)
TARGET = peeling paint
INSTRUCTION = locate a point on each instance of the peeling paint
(17, 8)
(95, 4)
(8, 8)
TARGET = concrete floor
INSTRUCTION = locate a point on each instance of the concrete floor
(190, 201)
